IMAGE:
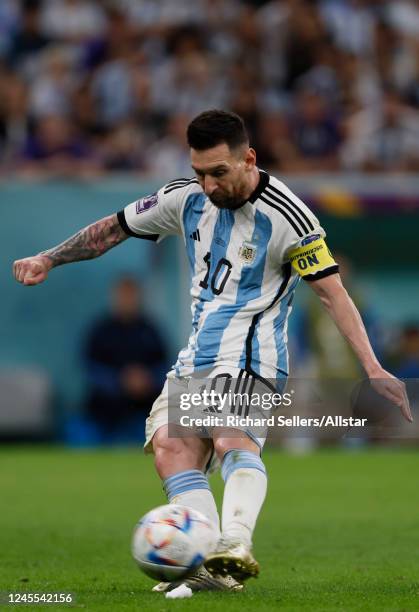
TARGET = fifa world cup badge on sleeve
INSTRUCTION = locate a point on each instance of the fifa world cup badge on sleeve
(311, 257)
(146, 203)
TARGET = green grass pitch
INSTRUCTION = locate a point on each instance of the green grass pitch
(339, 531)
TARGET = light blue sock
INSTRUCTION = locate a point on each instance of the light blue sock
(191, 488)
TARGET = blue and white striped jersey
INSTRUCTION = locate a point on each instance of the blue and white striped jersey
(242, 280)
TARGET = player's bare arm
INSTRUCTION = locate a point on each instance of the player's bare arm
(343, 311)
(90, 242)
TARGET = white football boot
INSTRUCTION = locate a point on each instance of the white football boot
(202, 580)
(232, 558)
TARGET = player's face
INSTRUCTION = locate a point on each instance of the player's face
(224, 174)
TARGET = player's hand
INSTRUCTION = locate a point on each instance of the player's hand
(31, 270)
(393, 389)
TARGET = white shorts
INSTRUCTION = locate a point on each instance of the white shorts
(166, 409)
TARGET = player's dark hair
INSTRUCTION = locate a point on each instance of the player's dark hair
(214, 127)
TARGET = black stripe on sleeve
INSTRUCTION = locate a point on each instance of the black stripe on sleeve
(283, 212)
(178, 180)
(306, 228)
(123, 223)
(322, 273)
(293, 204)
(174, 186)
(178, 183)
(290, 210)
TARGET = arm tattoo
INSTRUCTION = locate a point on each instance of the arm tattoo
(90, 242)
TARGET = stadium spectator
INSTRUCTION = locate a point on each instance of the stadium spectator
(123, 149)
(384, 138)
(189, 79)
(359, 83)
(53, 84)
(165, 13)
(403, 16)
(126, 364)
(72, 20)
(9, 24)
(315, 134)
(112, 82)
(413, 86)
(28, 40)
(55, 150)
(351, 24)
(105, 65)
(305, 32)
(170, 156)
(274, 146)
(14, 118)
(272, 19)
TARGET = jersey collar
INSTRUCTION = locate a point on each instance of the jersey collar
(260, 187)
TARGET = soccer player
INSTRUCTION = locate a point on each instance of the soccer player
(249, 240)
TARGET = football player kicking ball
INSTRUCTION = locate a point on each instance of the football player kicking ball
(249, 240)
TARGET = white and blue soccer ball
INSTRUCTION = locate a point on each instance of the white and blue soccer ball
(172, 541)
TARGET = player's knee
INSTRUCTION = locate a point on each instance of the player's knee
(167, 449)
(172, 455)
(224, 445)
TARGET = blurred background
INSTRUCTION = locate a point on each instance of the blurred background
(95, 97)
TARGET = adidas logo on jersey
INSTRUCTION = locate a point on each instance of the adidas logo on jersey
(195, 236)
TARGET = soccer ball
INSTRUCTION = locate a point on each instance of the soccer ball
(171, 542)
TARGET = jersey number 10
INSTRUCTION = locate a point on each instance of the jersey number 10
(219, 276)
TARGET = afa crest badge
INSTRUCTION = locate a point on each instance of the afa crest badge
(247, 252)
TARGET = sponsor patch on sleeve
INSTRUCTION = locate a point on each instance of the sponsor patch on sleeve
(310, 239)
(312, 257)
(146, 203)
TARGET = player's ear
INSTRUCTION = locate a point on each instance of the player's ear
(250, 158)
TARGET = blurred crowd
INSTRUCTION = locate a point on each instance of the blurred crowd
(91, 87)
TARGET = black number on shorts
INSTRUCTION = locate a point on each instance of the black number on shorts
(220, 276)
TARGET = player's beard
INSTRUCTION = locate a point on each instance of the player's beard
(228, 202)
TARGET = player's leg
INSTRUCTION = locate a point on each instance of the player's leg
(245, 480)
(181, 463)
